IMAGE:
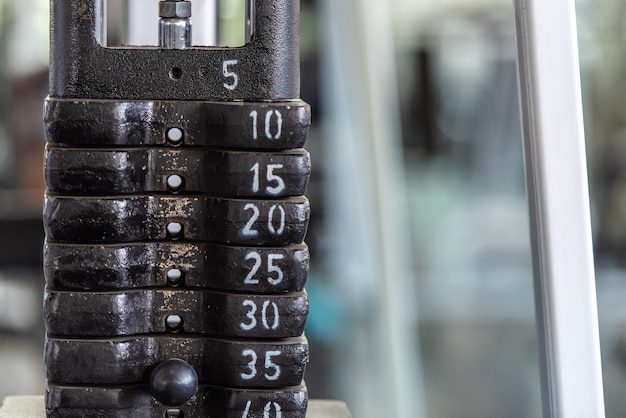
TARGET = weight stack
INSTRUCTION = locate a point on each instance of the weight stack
(175, 218)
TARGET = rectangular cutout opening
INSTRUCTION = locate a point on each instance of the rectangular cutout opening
(215, 23)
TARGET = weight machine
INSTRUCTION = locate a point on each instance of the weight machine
(126, 126)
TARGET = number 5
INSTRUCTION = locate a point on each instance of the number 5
(230, 74)
(270, 365)
(271, 267)
(271, 177)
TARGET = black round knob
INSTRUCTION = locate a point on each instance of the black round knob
(173, 382)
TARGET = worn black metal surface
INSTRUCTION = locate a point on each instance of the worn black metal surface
(140, 265)
(146, 311)
(146, 218)
(81, 68)
(130, 360)
(210, 401)
(230, 125)
(131, 171)
(174, 216)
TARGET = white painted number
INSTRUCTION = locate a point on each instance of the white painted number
(278, 412)
(269, 117)
(270, 220)
(271, 178)
(264, 317)
(231, 75)
(268, 124)
(269, 365)
(247, 230)
(271, 268)
(268, 409)
(247, 410)
(275, 323)
(255, 124)
(255, 178)
(250, 316)
(275, 228)
(251, 365)
(257, 265)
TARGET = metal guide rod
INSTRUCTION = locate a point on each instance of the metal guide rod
(174, 24)
(250, 20)
(554, 147)
(142, 13)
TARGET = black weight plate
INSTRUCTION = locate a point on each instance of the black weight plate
(146, 218)
(137, 265)
(147, 311)
(232, 125)
(74, 171)
(210, 401)
(129, 360)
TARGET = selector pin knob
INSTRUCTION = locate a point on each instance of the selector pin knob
(173, 382)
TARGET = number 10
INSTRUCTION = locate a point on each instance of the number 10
(268, 124)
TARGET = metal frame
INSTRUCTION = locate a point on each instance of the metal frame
(82, 68)
(554, 148)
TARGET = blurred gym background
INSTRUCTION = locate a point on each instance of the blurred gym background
(421, 283)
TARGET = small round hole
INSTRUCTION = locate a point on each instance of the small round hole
(174, 323)
(174, 136)
(176, 73)
(174, 229)
(174, 277)
(174, 182)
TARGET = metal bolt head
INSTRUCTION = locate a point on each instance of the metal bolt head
(174, 9)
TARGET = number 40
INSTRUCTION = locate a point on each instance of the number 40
(278, 413)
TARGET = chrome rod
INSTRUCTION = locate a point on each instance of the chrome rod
(557, 183)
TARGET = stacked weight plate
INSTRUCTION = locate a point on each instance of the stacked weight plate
(185, 243)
